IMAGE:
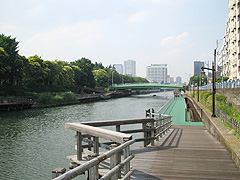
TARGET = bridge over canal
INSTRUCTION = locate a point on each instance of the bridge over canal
(148, 86)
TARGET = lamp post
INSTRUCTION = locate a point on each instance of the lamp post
(213, 83)
(193, 89)
(112, 77)
(198, 89)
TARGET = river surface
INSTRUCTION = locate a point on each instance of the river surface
(34, 142)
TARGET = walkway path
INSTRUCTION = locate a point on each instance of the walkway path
(188, 151)
(177, 110)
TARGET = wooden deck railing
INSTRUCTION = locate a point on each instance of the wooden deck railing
(120, 140)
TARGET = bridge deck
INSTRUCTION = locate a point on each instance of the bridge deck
(189, 152)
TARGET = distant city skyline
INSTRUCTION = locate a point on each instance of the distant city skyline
(108, 32)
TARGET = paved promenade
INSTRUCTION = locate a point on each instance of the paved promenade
(188, 151)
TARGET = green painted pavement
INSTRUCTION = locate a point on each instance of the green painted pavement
(177, 111)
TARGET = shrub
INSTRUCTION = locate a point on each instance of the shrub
(204, 96)
(52, 98)
(68, 96)
(209, 102)
(44, 98)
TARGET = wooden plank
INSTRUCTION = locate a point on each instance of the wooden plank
(118, 122)
(186, 152)
(99, 132)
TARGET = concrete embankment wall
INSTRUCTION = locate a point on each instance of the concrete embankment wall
(219, 131)
(233, 96)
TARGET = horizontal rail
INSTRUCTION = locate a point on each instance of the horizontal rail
(113, 171)
(95, 161)
(118, 122)
(99, 132)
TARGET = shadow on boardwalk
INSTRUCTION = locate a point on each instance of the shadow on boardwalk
(186, 152)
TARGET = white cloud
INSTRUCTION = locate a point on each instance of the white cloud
(64, 40)
(173, 40)
(137, 17)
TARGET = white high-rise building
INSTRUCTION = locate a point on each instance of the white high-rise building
(231, 65)
(118, 68)
(157, 73)
(130, 68)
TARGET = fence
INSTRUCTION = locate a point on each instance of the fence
(221, 85)
(227, 119)
(19, 100)
(152, 129)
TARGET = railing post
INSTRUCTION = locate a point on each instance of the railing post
(96, 145)
(161, 128)
(79, 146)
(144, 127)
(152, 133)
(157, 129)
(93, 173)
(118, 128)
(114, 160)
(127, 166)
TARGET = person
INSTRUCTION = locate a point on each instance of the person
(182, 93)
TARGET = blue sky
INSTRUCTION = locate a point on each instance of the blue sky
(173, 32)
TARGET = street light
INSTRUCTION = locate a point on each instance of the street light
(198, 89)
(112, 77)
(213, 83)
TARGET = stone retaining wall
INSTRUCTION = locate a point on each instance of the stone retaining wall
(233, 96)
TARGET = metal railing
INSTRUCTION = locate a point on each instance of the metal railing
(229, 120)
(222, 85)
(152, 129)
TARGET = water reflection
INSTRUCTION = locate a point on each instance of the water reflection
(33, 142)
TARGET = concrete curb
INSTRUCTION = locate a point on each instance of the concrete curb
(220, 132)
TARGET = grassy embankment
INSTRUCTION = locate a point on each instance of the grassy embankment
(205, 98)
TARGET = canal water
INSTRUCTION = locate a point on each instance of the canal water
(33, 142)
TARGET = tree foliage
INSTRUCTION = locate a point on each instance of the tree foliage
(19, 74)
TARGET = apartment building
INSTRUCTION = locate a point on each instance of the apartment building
(231, 65)
(157, 73)
(130, 68)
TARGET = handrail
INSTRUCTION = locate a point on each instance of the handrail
(99, 132)
(94, 162)
(163, 109)
(152, 129)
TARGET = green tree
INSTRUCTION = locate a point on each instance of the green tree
(87, 78)
(10, 46)
(101, 77)
(5, 68)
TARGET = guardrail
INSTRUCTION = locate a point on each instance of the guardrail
(222, 85)
(229, 120)
(153, 128)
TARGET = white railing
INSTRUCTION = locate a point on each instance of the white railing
(221, 85)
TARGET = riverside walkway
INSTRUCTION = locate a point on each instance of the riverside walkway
(188, 151)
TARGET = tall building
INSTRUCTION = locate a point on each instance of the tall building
(130, 68)
(157, 73)
(178, 80)
(231, 64)
(197, 67)
(118, 68)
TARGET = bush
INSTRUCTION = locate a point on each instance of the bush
(53, 98)
(44, 98)
(209, 102)
(68, 96)
(204, 96)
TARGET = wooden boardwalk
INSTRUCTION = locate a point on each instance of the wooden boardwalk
(186, 152)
